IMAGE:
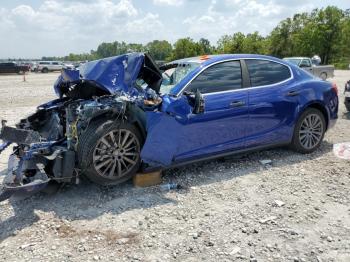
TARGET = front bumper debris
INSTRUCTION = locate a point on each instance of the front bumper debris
(16, 184)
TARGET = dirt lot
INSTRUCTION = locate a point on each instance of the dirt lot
(233, 209)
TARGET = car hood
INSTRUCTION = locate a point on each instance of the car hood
(114, 74)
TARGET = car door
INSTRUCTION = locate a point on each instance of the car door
(306, 65)
(221, 127)
(273, 103)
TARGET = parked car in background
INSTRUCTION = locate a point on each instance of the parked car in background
(347, 95)
(324, 71)
(33, 66)
(116, 116)
(49, 66)
(12, 67)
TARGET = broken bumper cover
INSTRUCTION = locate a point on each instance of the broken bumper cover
(22, 191)
(18, 181)
(16, 184)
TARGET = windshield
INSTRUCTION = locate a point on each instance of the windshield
(293, 61)
(175, 73)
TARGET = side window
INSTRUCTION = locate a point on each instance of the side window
(217, 78)
(305, 63)
(55, 63)
(263, 72)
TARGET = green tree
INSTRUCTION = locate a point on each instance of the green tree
(185, 47)
(159, 50)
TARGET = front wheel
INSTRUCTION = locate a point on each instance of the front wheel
(309, 131)
(109, 152)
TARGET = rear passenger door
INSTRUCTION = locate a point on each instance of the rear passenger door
(222, 125)
(273, 103)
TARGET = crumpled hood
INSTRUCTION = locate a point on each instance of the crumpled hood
(113, 74)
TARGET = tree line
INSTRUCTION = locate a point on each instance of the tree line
(324, 32)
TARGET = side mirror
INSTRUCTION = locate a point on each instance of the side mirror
(199, 104)
(196, 101)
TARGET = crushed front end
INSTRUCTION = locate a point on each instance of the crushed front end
(46, 142)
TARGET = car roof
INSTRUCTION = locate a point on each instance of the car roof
(297, 57)
(209, 59)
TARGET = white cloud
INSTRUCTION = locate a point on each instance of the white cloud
(168, 2)
(60, 27)
(230, 16)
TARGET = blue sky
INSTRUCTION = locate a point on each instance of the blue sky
(33, 28)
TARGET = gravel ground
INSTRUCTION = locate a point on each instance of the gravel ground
(233, 209)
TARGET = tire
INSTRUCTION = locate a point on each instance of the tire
(347, 107)
(314, 133)
(117, 164)
(45, 70)
(323, 76)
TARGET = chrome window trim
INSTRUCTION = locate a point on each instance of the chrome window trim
(235, 90)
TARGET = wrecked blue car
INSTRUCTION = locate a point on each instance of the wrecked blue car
(121, 115)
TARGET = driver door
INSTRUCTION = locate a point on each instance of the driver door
(222, 126)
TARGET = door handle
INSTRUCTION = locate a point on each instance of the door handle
(237, 103)
(293, 93)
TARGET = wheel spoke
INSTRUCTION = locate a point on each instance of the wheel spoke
(130, 154)
(123, 163)
(129, 160)
(316, 137)
(125, 138)
(107, 168)
(99, 166)
(104, 141)
(119, 169)
(111, 172)
(119, 136)
(111, 135)
(129, 142)
(101, 157)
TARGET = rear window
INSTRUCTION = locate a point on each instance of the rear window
(263, 72)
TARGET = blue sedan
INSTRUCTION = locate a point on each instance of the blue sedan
(118, 116)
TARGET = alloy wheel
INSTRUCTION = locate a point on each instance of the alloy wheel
(311, 131)
(116, 154)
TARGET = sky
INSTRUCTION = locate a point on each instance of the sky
(33, 28)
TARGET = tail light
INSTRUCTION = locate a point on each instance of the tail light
(335, 88)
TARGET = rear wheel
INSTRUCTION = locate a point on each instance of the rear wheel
(109, 152)
(45, 70)
(323, 76)
(347, 105)
(309, 131)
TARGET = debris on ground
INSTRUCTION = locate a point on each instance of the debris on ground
(342, 150)
(266, 162)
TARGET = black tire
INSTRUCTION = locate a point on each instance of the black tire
(45, 70)
(297, 142)
(90, 144)
(347, 107)
(323, 76)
